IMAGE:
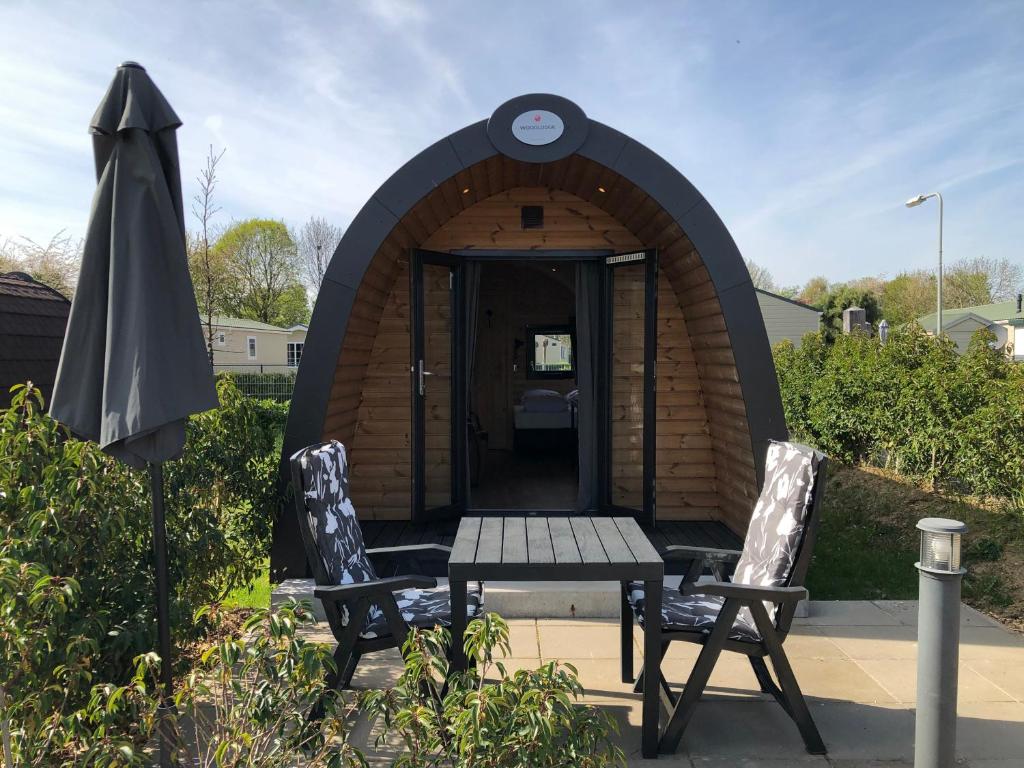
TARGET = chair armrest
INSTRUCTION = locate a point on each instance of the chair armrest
(410, 549)
(707, 554)
(746, 593)
(339, 592)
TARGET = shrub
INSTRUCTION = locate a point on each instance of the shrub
(247, 702)
(912, 404)
(72, 517)
(489, 717)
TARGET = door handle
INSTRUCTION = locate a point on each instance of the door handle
(423, 373)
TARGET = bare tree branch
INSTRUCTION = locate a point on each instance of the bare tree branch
(316, 242)
(204, 271)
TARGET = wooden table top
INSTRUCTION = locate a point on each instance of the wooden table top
(535, 548)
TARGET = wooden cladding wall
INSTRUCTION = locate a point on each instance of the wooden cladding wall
(569, 223)
(705, 465)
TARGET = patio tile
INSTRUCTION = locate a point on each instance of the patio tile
(838, 680)
(808, 642)
(899, 642)
(906, 612)
(668, 761)
(1008, 677)
(380, 669)
(522, 635)
(797, 761)
(853, 731)
(612, 623)
(850, 613)
(735, 729)
(899, 678)
(589, 640)
(600, 677)
(991, 643)
(990, 730)
(732, 677)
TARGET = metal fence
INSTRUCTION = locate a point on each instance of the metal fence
(267, 382)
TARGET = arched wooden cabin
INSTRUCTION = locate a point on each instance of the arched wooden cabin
(533, 253)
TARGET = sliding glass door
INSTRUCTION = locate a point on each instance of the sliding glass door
(628, 391)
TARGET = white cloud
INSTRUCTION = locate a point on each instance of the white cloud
(805, 128)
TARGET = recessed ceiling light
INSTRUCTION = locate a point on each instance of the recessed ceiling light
(465, 191)
(600, 189)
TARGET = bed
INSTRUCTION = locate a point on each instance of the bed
(543, 414)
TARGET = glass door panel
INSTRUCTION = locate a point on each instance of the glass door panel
(437, 383)
(627, 386)
(435, 284)
(630, 347)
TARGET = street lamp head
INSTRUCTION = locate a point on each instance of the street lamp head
(915, 201)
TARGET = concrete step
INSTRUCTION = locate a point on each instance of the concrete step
(519, 599)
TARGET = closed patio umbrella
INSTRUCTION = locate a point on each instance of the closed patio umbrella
(133, 366)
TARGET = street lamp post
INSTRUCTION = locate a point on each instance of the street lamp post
(913, 203)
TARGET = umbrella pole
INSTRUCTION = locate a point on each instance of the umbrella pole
(165, 712)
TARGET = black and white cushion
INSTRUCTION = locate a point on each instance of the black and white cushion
(769, 551)
(426, 608)
(332, 519)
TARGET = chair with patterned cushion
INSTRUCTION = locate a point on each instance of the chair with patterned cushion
(751, 613)
(366, 611)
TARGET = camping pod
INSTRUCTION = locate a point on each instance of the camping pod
(537, 313)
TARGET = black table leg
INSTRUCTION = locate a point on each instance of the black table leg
(652, 665)
(626, 634)
(457, 591)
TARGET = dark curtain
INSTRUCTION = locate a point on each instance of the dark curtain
(588, 306)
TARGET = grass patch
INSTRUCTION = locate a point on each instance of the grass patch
(867, 543)
(253, 595)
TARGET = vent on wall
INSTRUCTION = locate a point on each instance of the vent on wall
(533, 216)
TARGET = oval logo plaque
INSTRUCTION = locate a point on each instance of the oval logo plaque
(537, 127)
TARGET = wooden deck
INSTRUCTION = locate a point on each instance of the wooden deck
(392, 533)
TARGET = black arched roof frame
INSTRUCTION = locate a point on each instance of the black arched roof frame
(471, 145)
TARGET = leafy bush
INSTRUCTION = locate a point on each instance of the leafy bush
(247, 702)
(913, 405)
(488, 717)
(79, 523)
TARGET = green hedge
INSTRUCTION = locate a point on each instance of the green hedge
(271, 386)
(913, 405)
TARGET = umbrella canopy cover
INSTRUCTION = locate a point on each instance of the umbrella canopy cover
(134, 365)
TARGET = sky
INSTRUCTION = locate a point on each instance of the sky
(805, 124)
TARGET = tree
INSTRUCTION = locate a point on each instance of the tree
(263, 262)
(760, 276)
(209, 275)
(316, 241)
(964, 284)
(907, 296)
(293, 307)
(814, 292)
(980, 280)
(840, 298)
(54, 264)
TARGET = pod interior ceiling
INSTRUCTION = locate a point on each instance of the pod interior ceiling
(715, 397)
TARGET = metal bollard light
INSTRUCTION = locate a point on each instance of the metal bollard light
(938, 642)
